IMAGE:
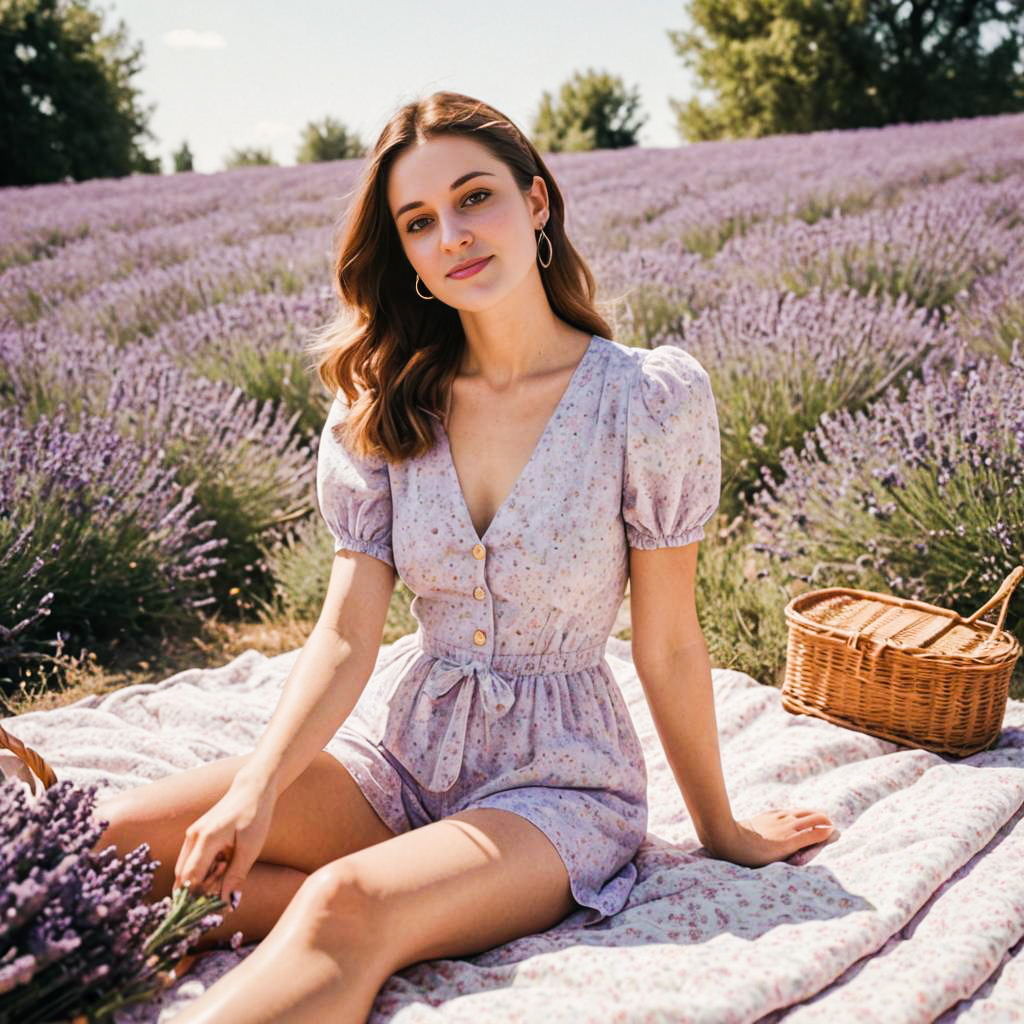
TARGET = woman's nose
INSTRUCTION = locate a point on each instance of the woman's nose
(453, 233)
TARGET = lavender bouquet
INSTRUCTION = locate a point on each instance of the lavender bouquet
(77, 938)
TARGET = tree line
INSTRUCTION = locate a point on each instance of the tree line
(70, 111)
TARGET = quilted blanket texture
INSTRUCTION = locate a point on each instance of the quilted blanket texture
(912, 911)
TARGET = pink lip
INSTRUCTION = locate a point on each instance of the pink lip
(473, 268)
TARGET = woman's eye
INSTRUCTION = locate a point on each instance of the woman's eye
(411, 226)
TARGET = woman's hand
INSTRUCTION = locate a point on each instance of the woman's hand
(772, 836)
(221, 847)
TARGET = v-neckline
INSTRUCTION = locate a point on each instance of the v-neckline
(548, 427)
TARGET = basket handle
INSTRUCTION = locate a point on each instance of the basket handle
(1002, 594)
(35, 762)
(1008, 585)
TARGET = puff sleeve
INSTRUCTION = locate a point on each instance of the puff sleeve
(673, 474)
(353, 493)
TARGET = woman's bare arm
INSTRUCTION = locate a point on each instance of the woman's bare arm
(672, 661)
(330, 673)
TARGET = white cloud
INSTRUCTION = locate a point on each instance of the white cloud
(187, 38)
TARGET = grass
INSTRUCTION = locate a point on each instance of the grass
(68, 678)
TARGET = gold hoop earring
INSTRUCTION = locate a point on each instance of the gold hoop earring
(418, 292)
(551, 249)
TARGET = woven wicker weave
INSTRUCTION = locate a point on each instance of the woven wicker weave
(905, 671)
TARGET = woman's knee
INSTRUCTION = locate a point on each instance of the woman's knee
(343, 910)
(112, 815)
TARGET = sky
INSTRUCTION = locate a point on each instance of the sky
(229, 73)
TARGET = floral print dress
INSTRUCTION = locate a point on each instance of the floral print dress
(502, 697)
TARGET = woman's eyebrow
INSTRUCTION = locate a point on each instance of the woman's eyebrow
(454, 185)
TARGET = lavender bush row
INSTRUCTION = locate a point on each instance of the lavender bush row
(255, 342)
(991, 314)
(28, 290)
(931, 247)
(921, 494)
(654, 291)
(246, 460)
(646, 197)
(918, 249)
(38, 221)
(47, 364)
(139, 302)
(110, 533)
(779, 361)
(251, 470)
(259, 318)
(706, 218)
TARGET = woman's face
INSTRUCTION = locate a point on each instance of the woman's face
(484, 215)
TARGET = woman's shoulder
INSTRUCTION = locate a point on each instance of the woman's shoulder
(652, 373)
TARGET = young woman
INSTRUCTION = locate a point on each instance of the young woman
(492, 444)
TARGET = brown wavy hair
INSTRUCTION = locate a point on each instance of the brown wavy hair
(391, 354)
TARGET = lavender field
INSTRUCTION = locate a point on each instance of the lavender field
(857, 297)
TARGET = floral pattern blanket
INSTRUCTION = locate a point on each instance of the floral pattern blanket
(913, 910)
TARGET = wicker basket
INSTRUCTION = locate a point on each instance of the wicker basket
(904, 671)
(33, 765)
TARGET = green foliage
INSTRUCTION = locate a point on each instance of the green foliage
(252, 491)
(301, 569)
(747, 630)
(68, 108)
(653, 312)
(743, 595)
(769, 397)
(112, 576)
(268, 374)
(740, 603)
(183, 158)
(594, 111)
(249, 156)
(777, 66)
(328, 139)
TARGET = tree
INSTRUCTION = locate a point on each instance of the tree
(328, 140)
(778, 66)
(594, 111)
(182, 157)
(68, 108)
(250, 156)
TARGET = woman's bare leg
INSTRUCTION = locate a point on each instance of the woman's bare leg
(322, 816)
(273, 886)
(441, 890)
(290, 982)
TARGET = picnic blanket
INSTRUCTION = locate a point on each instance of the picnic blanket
(912, 911)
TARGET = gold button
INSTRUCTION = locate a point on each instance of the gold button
(479, 638)
(479, 593)
(478, 551)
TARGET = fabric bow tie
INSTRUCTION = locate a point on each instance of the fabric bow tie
(437, 769)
